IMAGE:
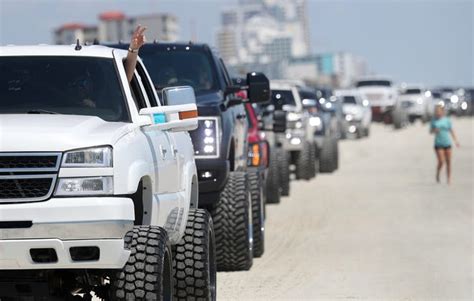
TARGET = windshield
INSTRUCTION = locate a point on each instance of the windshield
(283, 97)
(349, 100)
(412, 91)
(63, 85)
(369, 83)
(436, 94)
(307, 95)
(323, 93)
(181, 68)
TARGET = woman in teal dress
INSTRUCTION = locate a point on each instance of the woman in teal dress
(442, 128)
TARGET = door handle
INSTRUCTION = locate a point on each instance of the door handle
(163, 151)
(174, 150)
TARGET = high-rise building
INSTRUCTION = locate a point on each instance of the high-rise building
(264, 32)
(71, 32)
(161, 27)
(115, 26)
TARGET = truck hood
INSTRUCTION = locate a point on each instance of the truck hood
(411, 97)
(209, 104)
(57, 133)
(353, 109)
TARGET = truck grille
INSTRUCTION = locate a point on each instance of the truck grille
(24, 162)
(374, 96)
(28, 177)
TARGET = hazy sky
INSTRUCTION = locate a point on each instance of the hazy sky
(411, 40)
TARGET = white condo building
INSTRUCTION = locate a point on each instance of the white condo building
(261, 31)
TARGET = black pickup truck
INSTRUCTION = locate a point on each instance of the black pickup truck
(220, 142)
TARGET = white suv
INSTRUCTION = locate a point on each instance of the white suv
(97, 180)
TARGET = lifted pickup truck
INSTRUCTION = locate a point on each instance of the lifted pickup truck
(98, 183)
(383, 99)
(220, 142)
(299, 140)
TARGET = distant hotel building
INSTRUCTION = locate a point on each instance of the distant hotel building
(272, 36)
(261, 31)
(114, 26)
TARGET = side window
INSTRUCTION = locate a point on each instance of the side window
(149, 89)
(226, 74)
(137, 93)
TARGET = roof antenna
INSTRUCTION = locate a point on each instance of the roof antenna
(96, 41)
(78, 45)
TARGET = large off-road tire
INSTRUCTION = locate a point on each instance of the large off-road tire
(258, 213)
(306, 163)
(327, 156)
(232, 217)
(314, 154)
(147, 275)
(194, 262)
(335, 153)
(367, 132)
(273, 178)
(284, 169)
(397, 119)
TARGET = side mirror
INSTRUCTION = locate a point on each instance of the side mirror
(258, 87)
(175, 118)
(309, 103)
(279, 121)
(173, 96)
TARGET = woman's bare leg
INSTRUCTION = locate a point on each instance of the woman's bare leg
(447, 156)
(440, 156)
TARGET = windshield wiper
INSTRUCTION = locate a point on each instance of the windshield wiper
(41, 111)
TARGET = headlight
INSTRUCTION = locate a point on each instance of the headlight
(206, 137)
(349, 117)
(90, 157)
(298, 125)
(293, 116)
(454, 98)
(85, 186)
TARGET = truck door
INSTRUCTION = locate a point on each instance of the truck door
(171, 152)
(240, 127)
(160, 143)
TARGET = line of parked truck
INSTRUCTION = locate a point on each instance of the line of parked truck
(144, 189)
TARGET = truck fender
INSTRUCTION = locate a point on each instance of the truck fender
(136, 172)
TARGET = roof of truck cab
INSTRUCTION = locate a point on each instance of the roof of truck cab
(373, 77)
(163, 46)
(58, 50)
(346, 92)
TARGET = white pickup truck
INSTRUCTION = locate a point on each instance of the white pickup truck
(383, 99)
(98, 184)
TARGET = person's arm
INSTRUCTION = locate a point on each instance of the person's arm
(138, 39)
(454, 138)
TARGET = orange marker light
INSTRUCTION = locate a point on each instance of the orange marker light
(188, 114)
(256, 155)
